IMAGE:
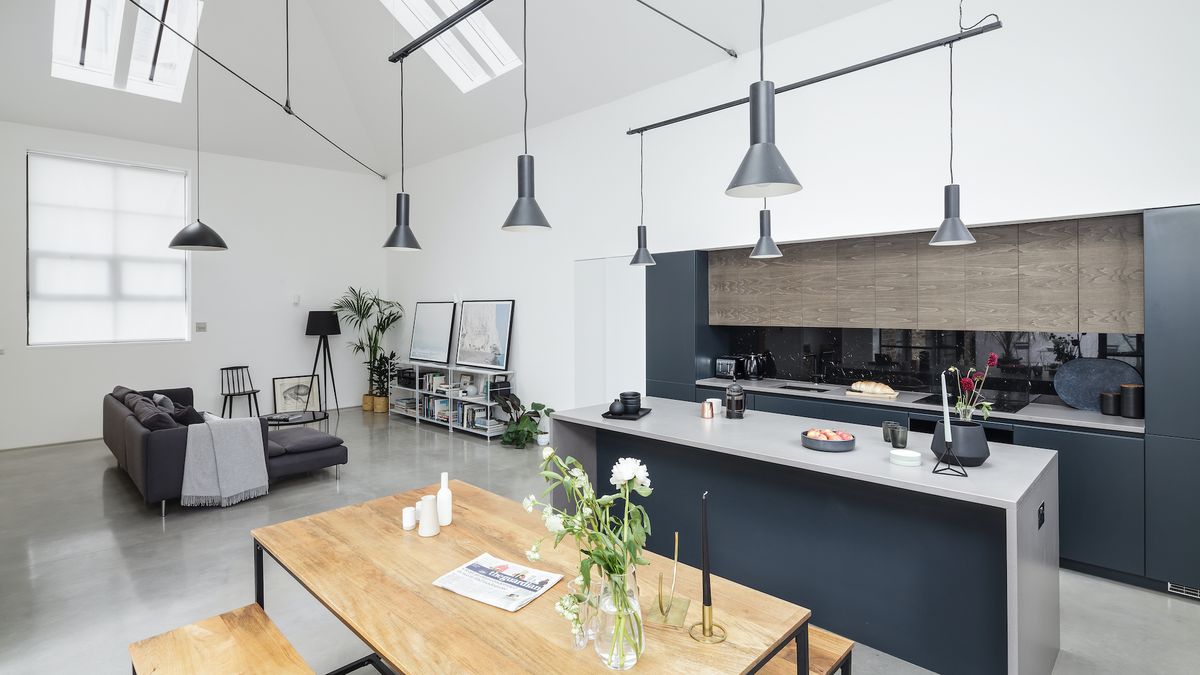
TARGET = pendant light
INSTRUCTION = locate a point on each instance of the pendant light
(526, 215)
(402, 237)
(642, 256)
(952, 231)
(198, 236)
(763, 171)
(765, 248)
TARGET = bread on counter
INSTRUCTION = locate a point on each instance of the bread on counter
(869, 387)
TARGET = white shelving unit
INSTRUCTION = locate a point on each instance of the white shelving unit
(424, 405)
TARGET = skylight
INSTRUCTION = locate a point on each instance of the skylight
(484, 56)
(131, 52)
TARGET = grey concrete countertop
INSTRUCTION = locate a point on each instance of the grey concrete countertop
(1042, 413)
(1001, 482)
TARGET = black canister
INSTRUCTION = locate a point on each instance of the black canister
(1133, 401)
(1110, 403)
(735, 401)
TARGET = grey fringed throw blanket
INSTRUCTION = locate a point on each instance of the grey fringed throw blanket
(224, 463)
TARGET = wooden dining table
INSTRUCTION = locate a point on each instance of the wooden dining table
(377, 579)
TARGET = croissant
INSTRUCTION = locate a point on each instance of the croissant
(869, 387)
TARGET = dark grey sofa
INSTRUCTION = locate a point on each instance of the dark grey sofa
(154, 459)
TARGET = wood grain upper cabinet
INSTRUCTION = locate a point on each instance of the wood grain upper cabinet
(818, 260)
(722, 291)
(941, 296)
(1048, 281)
(991, 279)
(787, 298)
(1110, 275)
(756, 285)
(896, 280)
(856, 283)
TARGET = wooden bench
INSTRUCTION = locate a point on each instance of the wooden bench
(244, 641)
(827, 652)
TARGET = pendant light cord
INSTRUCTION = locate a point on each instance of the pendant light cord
(198, 63)
(762, 26)
(287, 55)
(642, 178)
(402, 125)
(525, 70)
(961, 28)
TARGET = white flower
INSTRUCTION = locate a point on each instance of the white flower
(528, 503)
(627, 469)
(533, 555)
(554, 521)
(587, 511)
(547, 452)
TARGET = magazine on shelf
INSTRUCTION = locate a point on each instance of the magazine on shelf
(497, 582)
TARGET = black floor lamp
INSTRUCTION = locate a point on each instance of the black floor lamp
(323, 324)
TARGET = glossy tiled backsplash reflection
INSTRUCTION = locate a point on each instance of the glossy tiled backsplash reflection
(911, 359)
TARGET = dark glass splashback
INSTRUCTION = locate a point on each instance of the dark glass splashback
(911, 359)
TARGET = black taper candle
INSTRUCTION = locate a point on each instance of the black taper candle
(704, 548)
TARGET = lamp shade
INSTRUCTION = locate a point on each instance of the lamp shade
(642, 256)
(765, 248)
(763, 171)
(402, 237)
(198, 237)
(526, 215)
(323, 322)
(952, 231)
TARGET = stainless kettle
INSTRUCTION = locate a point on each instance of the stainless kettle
(755, 364)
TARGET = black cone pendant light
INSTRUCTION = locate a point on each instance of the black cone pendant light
(642, 256)
(952, 231)
(526, 215)
(402, 237)
(198, 236)
(763, 171)
(765, 248)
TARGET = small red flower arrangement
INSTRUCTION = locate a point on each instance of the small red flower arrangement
(970, 390)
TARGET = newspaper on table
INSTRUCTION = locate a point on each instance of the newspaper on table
(497, 582)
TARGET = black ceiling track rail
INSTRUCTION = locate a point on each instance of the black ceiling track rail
(688, 28)
(87, 20)
(162, 21)
(446, 24)
(941, 42)
(250, 84)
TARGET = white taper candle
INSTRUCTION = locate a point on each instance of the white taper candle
(945, 408)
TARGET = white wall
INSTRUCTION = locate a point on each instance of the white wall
(291, 230)
(610, 329)
(1072, 108)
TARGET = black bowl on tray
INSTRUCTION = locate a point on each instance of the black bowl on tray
(632, 400)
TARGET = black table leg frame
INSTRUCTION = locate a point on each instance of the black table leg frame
(258, 574)
(801, 638)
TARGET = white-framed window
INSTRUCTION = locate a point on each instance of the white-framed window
(99, 269)
(485, 54)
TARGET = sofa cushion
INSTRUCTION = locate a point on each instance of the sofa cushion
(274, 449)
(120, 392)
(151, 416)
(167, 405)
(186, 415)
(131, 399)
(298, 440)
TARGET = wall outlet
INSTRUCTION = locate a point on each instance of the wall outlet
(201, 326)
(1041, 515)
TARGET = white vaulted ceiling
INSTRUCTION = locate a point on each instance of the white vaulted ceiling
(582, 54)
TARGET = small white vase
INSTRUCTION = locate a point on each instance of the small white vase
(543, 439)
(427, 525)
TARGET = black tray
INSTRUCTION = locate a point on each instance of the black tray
(642, 412)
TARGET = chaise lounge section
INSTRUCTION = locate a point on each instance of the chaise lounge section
(153, 458)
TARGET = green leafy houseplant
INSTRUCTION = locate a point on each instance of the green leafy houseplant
(524, 424)
(610, 532)
(381, 373)
(372, 317)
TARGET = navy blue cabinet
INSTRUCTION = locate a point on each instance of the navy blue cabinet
(1172, 502)
(1101, 496)
(1172, 238)
(826, 410)
(680, 345)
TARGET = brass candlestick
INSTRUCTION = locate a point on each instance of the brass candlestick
(706, 631)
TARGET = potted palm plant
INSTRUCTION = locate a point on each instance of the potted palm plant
(372, 317)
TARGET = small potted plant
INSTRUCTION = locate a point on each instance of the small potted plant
(969, 441)
(524, 424)
(381, 380)
(372, 317)
(970, 390)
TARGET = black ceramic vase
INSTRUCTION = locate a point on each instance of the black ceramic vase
(970, 443)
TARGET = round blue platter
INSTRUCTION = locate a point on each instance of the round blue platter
(1079, 382)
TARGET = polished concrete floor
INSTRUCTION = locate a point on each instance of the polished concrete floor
(86, 567)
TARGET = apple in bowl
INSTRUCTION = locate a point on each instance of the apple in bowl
(829, 435)
(828, 440)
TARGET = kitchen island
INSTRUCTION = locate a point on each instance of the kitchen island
(952, 574)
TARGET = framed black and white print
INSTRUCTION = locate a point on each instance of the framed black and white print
(433, 326)
(484, 332)
(297, 393)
